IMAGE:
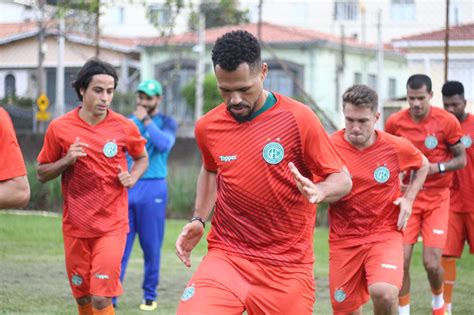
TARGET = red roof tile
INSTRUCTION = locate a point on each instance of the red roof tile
(461, 32)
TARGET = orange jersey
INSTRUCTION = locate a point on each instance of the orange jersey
(95, 202)
(260, 213)
(368, 212)
(462, 197)
(432, 136)
(11, 159)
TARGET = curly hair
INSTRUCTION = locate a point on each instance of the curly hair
(235, 48)
(92, 67)
(361, 95)
(452, 88)
(417, 81)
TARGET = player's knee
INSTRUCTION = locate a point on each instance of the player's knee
(100, 302)
(384, 296)
(432, 266)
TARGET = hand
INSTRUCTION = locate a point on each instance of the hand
(140, 112)
(76, 150)
(405, 211)
(309, 189)
(125, 178)
(187, 240)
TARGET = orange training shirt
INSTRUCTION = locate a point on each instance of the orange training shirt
(11, 159)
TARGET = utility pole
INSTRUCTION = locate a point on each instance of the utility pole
(97, 28)
(200, 67)
(259, 25)
(59, 108)
(446, 44)
(380, 70)
(41, 51)
(340, 64)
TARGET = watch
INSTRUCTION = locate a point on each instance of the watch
(200, 220)
(442, 168)
(145, 118)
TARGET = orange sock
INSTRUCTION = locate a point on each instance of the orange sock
(404, 300)
(449, 265)
(109, 310)
(85, 309)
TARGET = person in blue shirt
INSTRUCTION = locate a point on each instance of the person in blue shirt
(147, 199)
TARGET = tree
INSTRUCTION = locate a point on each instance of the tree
(219, 13)
(212, 98)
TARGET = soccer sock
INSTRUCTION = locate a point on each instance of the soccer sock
(85, 309)
(109, 310)
(449, 265)
(437, 301)
(404, 304)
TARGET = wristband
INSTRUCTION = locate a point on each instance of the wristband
(200, 220)
(145, 118)
(441, 168)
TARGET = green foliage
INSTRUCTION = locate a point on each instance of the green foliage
(124, 103)
(181, 191)
(212, 98)
(24, 102)
(47, 196)
(219, 13)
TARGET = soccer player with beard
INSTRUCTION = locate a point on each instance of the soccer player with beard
(148, 198)
(461, 214)
(254, 146)
(437, 134)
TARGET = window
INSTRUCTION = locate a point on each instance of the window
(403, 10)
(120, 15)
(10, 85)
(173, 81)
(357, 78)
(278, 80)
(372, 81)
(346, 10)
(159, 14)
(392, 88)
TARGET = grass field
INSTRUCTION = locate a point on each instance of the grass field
(33, 278)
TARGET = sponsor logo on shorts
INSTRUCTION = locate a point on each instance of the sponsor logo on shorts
(101, 276)
(273, 153)
(431, 142)
(227, 158)
(76, 280)
(466, 141)
(381, 174)
(438, 232)
(188, 293)
(340, 295)
(389, 266)
(110, 149)
(158, 200)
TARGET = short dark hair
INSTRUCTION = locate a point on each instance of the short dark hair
(417, 81)
(451, 88)
(92, 67)
(234, 48)
(361, 95)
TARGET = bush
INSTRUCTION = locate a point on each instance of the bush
(47, 196)
(181, 191)
(212, 98)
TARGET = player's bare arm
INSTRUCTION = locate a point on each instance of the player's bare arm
(406, 201)
(140, 164)
(49, 171)
(333, 188)
(457, 162)
(206, 192)
(14, 192)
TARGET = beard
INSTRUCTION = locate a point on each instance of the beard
(241, 119)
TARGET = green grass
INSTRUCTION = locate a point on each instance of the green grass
(33, 278)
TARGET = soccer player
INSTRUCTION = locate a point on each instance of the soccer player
(437, 134)
(14, 187)
(260, 255)
(147, 199)
(461, 214)
(365, 237)
(87, 147)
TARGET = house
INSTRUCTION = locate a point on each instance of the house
(425, 54)
(321, 64)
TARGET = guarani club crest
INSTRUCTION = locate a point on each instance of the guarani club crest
(340, 295)
(273, 152)
(382, 174)
(110, 149)
(431, 142)
(466, 141)
(188, 293)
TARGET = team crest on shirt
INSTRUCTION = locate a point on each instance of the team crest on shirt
(76, 280)
(273, 153)
(188, 293)
(431, 142)
(381, 174)
(110, 149)
(466, 141)
(340, 295)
